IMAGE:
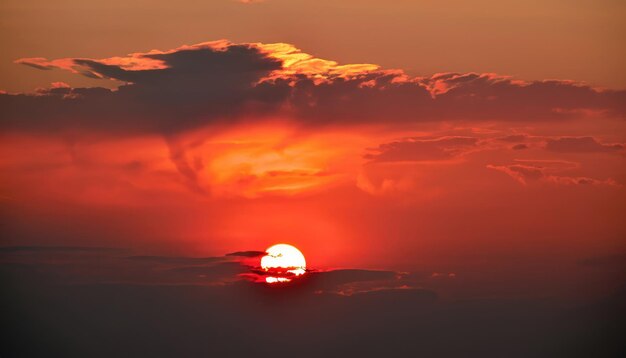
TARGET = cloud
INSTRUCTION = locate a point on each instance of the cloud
(244, 319)
(165, 92)
(580, 145)
(101, 264)
(172, 260)
(326, 279)
(168, 92)
(350, 281)
(86, 265)
(96, 265)
(178, 156)
(247, 253)
(219, 273)
(56, 249)
(528, 172)
(418, 149)
(513, 138)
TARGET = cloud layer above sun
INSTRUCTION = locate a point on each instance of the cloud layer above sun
(189, 87)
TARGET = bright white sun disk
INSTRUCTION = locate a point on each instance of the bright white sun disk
(283, 257)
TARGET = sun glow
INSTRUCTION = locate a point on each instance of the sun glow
(274, 158)
(283, 262)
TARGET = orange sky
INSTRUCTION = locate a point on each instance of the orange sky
(578, 40)
(223, 146)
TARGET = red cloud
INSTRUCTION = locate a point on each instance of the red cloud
(528, 173)
(580, 145)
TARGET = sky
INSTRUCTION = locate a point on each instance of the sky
(451, 171)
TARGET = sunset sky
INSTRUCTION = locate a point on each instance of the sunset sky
(418, 153)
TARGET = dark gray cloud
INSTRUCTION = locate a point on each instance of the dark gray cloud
(77, 264)
(173, 260)
(218, 273)
(196, 86)
(57, 249)
(345, 281)
(245, 319)
(247, 253)
(343, 276)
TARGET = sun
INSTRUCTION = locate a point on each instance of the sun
(283, 262)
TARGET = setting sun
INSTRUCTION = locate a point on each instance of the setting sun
(456, 179)
(283, 261)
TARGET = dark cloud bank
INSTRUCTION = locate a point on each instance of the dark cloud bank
(196, 86)
(64, 307)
